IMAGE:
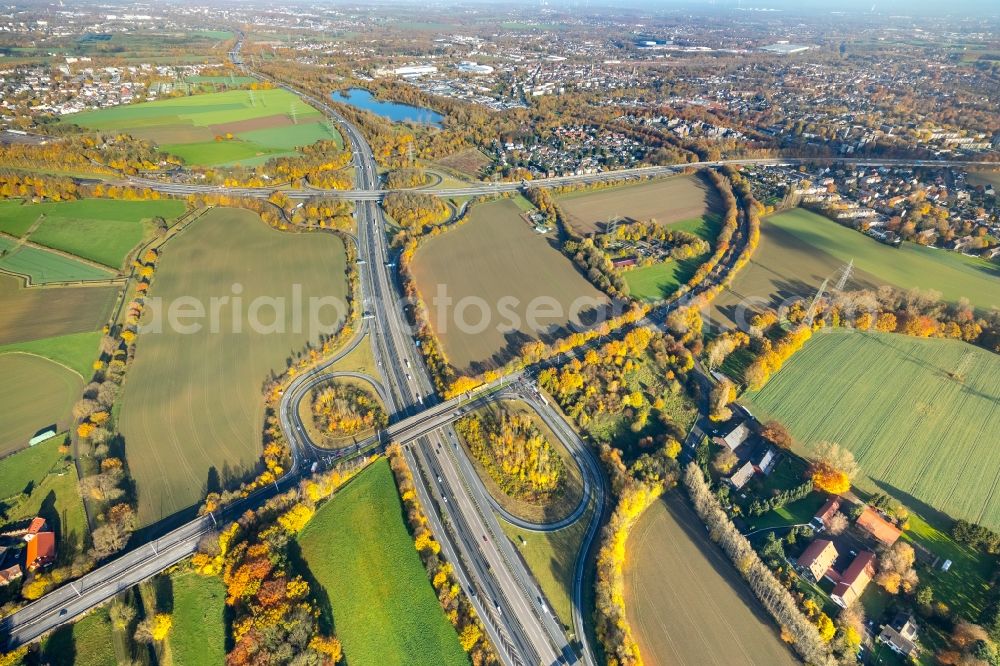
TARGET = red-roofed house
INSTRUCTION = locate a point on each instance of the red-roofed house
(822, 518)
(41, 550)
(37, 525)
(881, 529)
(818, 557)
(855, 579)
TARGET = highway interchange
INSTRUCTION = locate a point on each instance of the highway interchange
(463, 516)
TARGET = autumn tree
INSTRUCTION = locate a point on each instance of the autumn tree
(777, 434)
(833, 469)
(896, 568)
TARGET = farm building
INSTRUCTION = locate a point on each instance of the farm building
(818, 558)
(854, 580)
(735, 437)
(878, 527)
(901, 636)
(821, 520)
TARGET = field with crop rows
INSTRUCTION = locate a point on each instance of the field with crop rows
(193, 400)
(668, 201)
(496, 255)
(32, 314)
(915, 412)
(686, 602)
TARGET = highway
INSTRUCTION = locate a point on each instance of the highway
(375, 193)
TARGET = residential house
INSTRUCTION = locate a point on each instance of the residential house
(742, 475)
(854, 580)
(10, 568)
(41, 550)
(821, 520)
(901, 635)
(735, 437)
(878, 527)
(764, 459)
(818, 558)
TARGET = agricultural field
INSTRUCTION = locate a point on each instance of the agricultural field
(913, 436)
(101, 230)
(192, 401)
(799, 249)
(680, 199)
(45, 267)
(36, 393)
(686, 602)
(493, 256)
(468, 163)
(76, 351)
(359, 550)
(262, 123)
(199, 634)
(49, 480)
(35, 313)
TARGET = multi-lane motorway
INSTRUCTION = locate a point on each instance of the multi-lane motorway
(462, 514)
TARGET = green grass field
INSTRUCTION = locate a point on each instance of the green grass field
(799, 249)
(76, 351)
(36, 393)
(17, 217)
(551, 557)
(954, 275)
(193, 401)
(199, 634)
(225, 80)
(652, 283)
(495, 256)
(912, 427)
(686, 602)
(86, 642)
(33, 314)
(358, 548)
(198, 110)
(263, 123)
(291, 137)
(101, 230)
(44, 267)
(51, 483)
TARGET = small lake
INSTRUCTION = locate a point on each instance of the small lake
(394, 111)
